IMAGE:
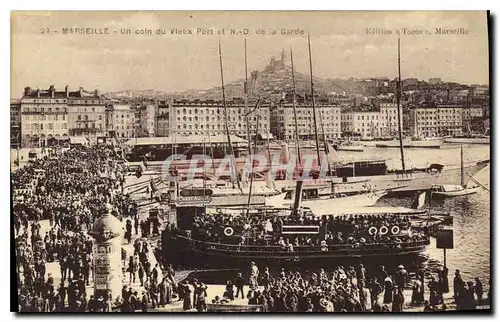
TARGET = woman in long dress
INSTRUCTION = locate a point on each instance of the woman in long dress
(168, 291)
(187, 297)
(161, 289)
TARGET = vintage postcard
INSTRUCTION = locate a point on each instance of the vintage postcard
(250, 161)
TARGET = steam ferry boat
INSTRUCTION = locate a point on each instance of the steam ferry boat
(213, 237)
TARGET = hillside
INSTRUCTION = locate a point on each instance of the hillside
(275, 79)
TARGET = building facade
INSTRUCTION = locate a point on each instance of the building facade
(121, 121)
(436, 120)
(87, 115)
(369, 122)
(15, 124)
(44, 117)
(147, 120)
(162, 119)
(328, 120)
(208, 118)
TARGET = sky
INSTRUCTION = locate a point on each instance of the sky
(341, 47)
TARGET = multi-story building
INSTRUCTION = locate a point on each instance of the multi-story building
(435, 120)
(15, 124)
(371, 122)
(44, 117)
(328, 120)
(162, 119)
(147, 120)
(208, 118)
(87, 115)
(388, 118)
(121, 121)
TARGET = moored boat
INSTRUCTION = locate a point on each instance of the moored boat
(449, 190)
(468, 140)
(426, 143)
(275, 236)
(350, 146)
(406, 143)
(321, 201)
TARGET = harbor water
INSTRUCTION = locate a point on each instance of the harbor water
(471, 214)
(471, 225)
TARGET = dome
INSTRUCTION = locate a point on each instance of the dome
(106, 227)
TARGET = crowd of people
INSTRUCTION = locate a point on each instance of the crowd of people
(353, 230)
(350, 289)
(69, 190)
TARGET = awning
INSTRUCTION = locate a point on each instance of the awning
(78, 140)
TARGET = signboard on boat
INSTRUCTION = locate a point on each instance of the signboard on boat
(194, 200)
(444, 239)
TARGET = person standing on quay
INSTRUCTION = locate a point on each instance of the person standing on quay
(239, 282)
(398, 299)
(478, 288)
(254, 274)
(458, 283)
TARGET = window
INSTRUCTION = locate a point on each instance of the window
(93, 109)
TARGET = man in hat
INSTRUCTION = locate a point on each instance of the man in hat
(239, 282)
(401, 277)
(254, 274)
(458, 283)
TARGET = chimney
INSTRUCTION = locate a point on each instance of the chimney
(52, 89)
(66, 89)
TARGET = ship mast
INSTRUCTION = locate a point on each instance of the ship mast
(299, 159)
(313, 106)
(231, 150)
(245, 90)
(251, 162)
(398, 102)
(462, 179)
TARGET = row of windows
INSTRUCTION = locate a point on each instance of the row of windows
(300, 111)
(219, 126)
(45, 117)
(86, 117)
(42, 110)
(441, 111)
(48, 126)
(211, 111)
(86, 126)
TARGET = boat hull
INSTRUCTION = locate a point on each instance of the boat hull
(449, 194)
(187, 252)
(450, 174)
(350, 148)
(468, 140)
(329, 206)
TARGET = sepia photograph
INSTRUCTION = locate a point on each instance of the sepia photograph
(250, 161)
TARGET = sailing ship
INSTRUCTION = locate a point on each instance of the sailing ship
(278, 236)
(416, 143)
(454, 190)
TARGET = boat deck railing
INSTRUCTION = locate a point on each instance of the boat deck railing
(208, 246)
